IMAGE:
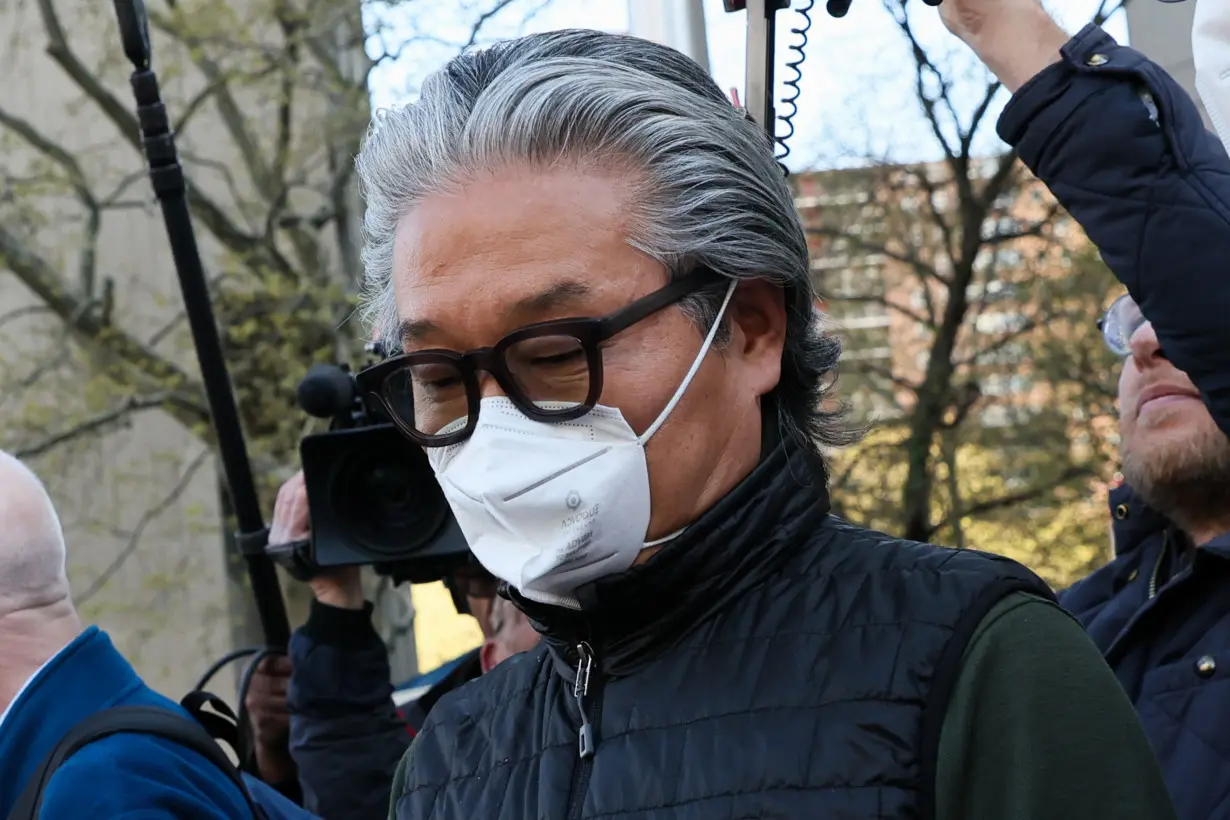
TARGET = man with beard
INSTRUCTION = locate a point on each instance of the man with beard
(1124, 150)
(1159, 611)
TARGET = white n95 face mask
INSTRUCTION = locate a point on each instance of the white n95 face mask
(551, 507)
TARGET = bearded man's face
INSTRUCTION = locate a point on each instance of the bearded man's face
(1174, 454)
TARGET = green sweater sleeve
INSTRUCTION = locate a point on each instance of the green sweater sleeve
(1038, 727)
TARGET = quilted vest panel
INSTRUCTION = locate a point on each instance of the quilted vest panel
(806, 697)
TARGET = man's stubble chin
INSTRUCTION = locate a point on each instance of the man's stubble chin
(1184, 474)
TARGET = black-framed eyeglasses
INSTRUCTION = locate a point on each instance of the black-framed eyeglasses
(1120, 322)
(552, 371)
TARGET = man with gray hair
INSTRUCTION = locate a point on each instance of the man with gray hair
(55, 677)
(597, 275)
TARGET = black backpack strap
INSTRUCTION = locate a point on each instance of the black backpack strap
(223, 726)
(147, 720)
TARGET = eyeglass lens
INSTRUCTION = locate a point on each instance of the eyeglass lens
(552, 372)
(1123, 318)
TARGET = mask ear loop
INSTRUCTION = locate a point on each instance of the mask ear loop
(683, 387)
(700, 358)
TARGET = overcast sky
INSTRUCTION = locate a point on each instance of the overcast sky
(857, 97)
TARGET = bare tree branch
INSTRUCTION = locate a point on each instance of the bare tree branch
(267, 177)
(936, 213)
(886, 302)
(93, 424)
(77, 181)
(22, 312)
(485, 18)
(906, 258)
(50, 364)
(183, 395)
(1014, 499)
(246, 246)
(967, 134)
(236, 123)
(134, 539)
(885, 373)
(949, 444)
(923, 67)
(207, 93)
(863, 453)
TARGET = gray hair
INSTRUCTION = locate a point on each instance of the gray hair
(711, 192)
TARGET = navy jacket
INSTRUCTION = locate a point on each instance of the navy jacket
(122, 776)
(346, 737)
(1123, 148)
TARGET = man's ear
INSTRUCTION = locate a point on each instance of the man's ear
(486, 655)
(758, 317)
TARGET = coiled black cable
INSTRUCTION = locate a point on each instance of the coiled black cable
(792, 84)
(243, 721)
(229, 657)
(247, 751)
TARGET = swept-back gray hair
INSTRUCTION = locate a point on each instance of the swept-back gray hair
(710, 192)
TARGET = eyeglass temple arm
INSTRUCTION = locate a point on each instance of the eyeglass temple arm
(651, 303)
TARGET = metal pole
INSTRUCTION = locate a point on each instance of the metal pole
(170, 186)
(758, 87)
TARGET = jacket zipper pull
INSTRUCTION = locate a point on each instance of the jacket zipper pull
(585, 667)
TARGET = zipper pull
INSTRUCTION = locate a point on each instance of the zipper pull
(585, 668)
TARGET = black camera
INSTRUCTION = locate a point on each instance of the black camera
(372, 495)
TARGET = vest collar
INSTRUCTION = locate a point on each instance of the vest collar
(86, 676)
(1132, 520)
(633, 617)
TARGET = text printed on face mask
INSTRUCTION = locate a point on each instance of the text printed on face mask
(580, 518)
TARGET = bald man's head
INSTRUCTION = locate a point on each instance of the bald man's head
(32, 572)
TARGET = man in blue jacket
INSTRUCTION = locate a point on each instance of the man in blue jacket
(1124, 150)
(54, 674)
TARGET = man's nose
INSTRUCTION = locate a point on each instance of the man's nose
(488, 387)
(1146, 350)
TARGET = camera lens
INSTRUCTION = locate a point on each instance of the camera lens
(384, 504)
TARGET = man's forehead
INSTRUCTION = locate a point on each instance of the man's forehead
(544, 299)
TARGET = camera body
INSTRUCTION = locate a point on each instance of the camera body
(372, 495)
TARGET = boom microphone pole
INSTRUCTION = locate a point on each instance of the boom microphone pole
(167, 176)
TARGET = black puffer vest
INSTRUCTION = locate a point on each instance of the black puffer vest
(771, 662)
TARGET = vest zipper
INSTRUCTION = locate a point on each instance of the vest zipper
(1157, 565)
(1114, 651)
(585, 690)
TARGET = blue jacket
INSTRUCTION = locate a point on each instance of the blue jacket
(1123, 149)
(139, 777)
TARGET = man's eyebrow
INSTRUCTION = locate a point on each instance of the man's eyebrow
(560, 293)
(411, 330)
